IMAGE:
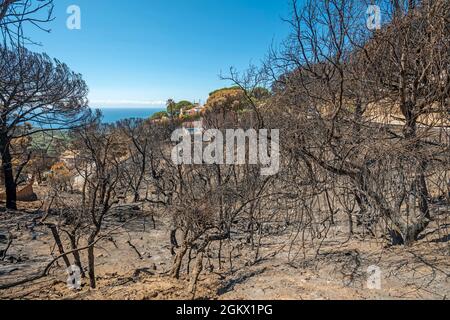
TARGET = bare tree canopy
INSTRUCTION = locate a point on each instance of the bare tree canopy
(350, 89)
(36, 94)
(15, 14)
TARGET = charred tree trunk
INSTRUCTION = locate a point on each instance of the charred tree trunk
(176, 269)
(10, 183)
(59, 244)
(91, 265)
(91, 260)
(173, 241)
(424, 195)
(76, 254)
(137, 196)
(410, 128)
(175, 273)
(412, 232)
(198, 268)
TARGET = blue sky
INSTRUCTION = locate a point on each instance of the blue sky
(139, 52)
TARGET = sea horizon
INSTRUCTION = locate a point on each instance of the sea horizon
(112, 114)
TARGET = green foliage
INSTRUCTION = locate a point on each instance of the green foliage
(227, 99)
(51, 142)
(185, 105)
(174, 108)
(259, 93)
(171, 104)
(159, 115)
(224, 89)
(191, 118)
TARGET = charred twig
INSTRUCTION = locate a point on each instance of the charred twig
(135, 250)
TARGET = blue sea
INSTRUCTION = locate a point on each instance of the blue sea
(112, 115)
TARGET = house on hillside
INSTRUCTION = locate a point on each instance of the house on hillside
(197, 110)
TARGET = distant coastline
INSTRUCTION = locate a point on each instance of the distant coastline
(117, 113)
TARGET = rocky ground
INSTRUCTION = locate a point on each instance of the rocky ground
(133, 264)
